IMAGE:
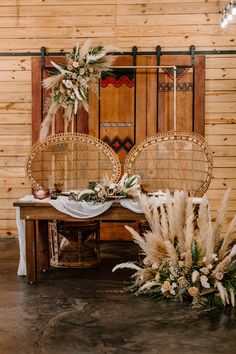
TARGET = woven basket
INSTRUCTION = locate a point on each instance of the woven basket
(74, 244)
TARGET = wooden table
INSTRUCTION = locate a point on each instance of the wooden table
(37, 215)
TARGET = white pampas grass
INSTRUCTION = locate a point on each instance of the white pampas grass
(221, 217)
(203, 222)
(51, 81)
(148, 285)
(188, 232)
(229, 237)
(128, 265)
(45, 126)
(84, 49)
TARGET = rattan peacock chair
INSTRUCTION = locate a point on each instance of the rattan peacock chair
(72, 160)
(172, 161)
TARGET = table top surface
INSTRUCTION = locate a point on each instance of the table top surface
(45, 211)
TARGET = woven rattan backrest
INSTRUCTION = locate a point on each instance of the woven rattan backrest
(172, 160)
(72, 159)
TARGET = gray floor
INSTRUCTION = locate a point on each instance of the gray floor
(86, 311)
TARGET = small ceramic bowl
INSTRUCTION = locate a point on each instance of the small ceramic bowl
(41, 193)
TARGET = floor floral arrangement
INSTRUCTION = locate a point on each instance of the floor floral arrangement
(70, 82)
(186, 257)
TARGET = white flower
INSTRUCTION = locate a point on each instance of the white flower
(69, 67)
(83, 82)
(75, 64)
(205, 270)
(219, 275)
(204, 281)
(214, 257)
(97, 188)
(155, 266)
(195, 276)
(68, 83)
(210, 266)
(81, 71)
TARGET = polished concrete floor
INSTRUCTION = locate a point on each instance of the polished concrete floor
(87, 311)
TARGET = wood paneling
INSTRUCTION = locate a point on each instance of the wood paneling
(26, 25)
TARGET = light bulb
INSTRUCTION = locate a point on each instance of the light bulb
(233, 8)
(222, 24)
(226, 21)
(229, 15)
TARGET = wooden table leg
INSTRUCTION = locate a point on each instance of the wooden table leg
(31, 253)
(43, 251)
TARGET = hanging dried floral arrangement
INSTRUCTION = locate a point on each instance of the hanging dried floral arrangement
(71, 82)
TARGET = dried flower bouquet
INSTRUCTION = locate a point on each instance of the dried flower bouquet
(186, 257)
(127, 187)
(70, 82)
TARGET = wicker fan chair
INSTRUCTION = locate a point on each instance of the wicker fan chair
(171, 161)
(72, 160)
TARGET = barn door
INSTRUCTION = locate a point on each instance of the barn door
(133, 103)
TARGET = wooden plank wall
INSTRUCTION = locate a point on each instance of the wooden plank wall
(26, 25)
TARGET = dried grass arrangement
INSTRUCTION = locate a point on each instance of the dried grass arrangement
(186, 257)
(70, 82)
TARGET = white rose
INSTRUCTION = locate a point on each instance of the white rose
(195, 276)
(204, 282)
(68, 83)
(205, 270)
(75, 64)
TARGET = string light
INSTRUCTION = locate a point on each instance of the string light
(228, 13)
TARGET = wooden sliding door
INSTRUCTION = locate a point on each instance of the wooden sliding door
(132, 103)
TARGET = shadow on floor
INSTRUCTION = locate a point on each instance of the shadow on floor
(87, 311)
